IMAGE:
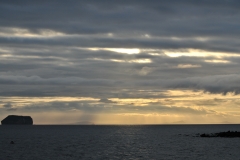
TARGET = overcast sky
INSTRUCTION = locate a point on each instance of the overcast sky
(120, 62)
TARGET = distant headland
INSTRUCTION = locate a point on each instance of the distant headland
(17, 120)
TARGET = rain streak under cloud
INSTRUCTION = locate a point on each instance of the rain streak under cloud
(120, 62)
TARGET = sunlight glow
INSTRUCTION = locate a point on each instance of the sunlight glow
(187, 66)
(198, 53)
(125, 50)
(179, 106)
(119, 50)
(217, 61)
(132, 61)
(22, 32)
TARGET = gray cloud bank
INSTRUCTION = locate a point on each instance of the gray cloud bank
(47, 47)
(210, 25)
(213, 84)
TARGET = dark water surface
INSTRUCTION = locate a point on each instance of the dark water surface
(117, 142)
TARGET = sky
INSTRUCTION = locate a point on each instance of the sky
(120, 62)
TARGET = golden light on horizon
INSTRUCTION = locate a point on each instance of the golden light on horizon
(179, 106)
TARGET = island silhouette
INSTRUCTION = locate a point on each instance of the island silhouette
(17, 120)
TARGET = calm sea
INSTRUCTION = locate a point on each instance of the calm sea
(117, 142)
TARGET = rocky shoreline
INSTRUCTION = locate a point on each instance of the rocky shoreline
(228, 134)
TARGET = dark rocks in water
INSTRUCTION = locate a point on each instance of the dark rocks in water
(229, 134)
(17, 120)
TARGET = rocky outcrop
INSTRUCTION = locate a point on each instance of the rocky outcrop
(229, 134)
(17, 120)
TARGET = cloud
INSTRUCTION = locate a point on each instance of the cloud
(145, 70)
(213, 84)
(72, 85)
(91, 108)
(9, 107)
(105, 100)
(199, 26)
(52, 81)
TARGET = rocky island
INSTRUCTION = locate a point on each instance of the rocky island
(17, 120)
(228, 134)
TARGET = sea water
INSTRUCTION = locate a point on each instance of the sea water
(56, 142)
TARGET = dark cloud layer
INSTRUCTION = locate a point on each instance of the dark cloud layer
(191, 18)
(61, 48)
(158, 18)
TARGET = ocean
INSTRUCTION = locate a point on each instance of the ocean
(103, 142)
